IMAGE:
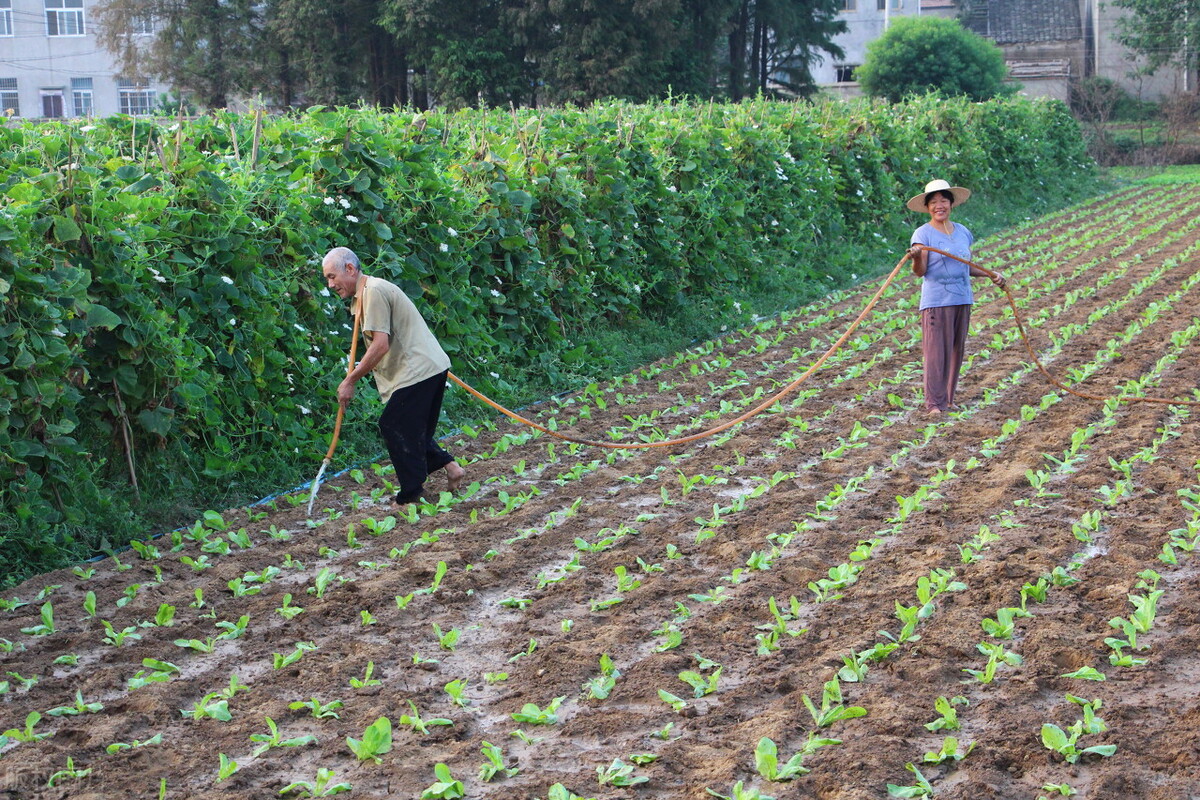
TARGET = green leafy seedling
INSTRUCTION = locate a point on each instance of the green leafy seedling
(414, 721)
(321, 786)
(318, 709)
(272, 739)
(444, 787)
(831, 709)
(531, 714)
(494, 764)
(376, 741)
(618, 773)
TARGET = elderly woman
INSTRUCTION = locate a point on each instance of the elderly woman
(946, 296)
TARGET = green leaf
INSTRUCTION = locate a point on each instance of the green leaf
(99, 316)
(158, 420)
(65, 229)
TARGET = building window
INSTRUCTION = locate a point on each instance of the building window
(849, 5)
(844, 73)
(136, 98)
(81, 96)
(881, 5)
(10, 101)
(64, 18)
(897, 4)
(52, 103)
(140, 26)
(6, 18)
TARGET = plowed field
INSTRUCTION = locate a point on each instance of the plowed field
(895, 548)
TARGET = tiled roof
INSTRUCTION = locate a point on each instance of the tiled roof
(1025, 21)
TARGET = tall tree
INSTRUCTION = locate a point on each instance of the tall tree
(773, 43)
(1163, 32)
(608, 48)
(468, 52)
(701, 28)
(340, 52)
(209, 49)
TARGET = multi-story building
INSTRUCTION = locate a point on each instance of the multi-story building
(1047, 43)
(52, 65)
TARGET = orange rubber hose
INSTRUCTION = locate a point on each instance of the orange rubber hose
(763, 406)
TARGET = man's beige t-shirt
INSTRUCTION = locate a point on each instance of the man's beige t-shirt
(413, 353)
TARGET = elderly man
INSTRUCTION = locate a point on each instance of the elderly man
(410, 372)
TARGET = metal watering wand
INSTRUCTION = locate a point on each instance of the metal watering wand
(337, 426)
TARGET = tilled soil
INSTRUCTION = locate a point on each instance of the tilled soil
(665, 560)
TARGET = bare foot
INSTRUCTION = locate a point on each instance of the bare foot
(455, 475)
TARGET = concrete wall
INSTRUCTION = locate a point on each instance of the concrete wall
(43, 64)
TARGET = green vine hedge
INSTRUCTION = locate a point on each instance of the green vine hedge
(162, 314)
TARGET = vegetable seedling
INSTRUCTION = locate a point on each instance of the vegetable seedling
(366, 679)
(321, 786)
(117, 747)
(1063, 742)
(280, 661)
(949, 752)
(80, 707)
(741, 792)
(27, 734)
(456, 689)
(376, 741)
(530, 714)
(831, 709)
(317, 708)
(272, 739)
(599, 687)
(226, 768)
(618, 773)
(494, 765)
(418, 725)
(47, 625)
(444, 787)
(949, 719)
(70, 773)
(922, 788)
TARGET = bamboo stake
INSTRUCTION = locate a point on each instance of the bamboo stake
(127, 435)
(258, 119)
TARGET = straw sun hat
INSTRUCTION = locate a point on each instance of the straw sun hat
(960, 194)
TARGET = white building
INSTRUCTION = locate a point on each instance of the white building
(51, 64)
(1046, 43)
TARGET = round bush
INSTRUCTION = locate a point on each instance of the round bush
(922, 54)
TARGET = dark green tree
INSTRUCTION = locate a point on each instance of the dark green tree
(607, 48)
(1163, 32)
(922, 54)
(694, 65)
(773, 43)
(468, 52)
(209, 49)
(339, 53)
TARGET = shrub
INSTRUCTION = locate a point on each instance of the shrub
(919, 54)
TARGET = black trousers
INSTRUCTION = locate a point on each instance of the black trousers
(407, 425)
